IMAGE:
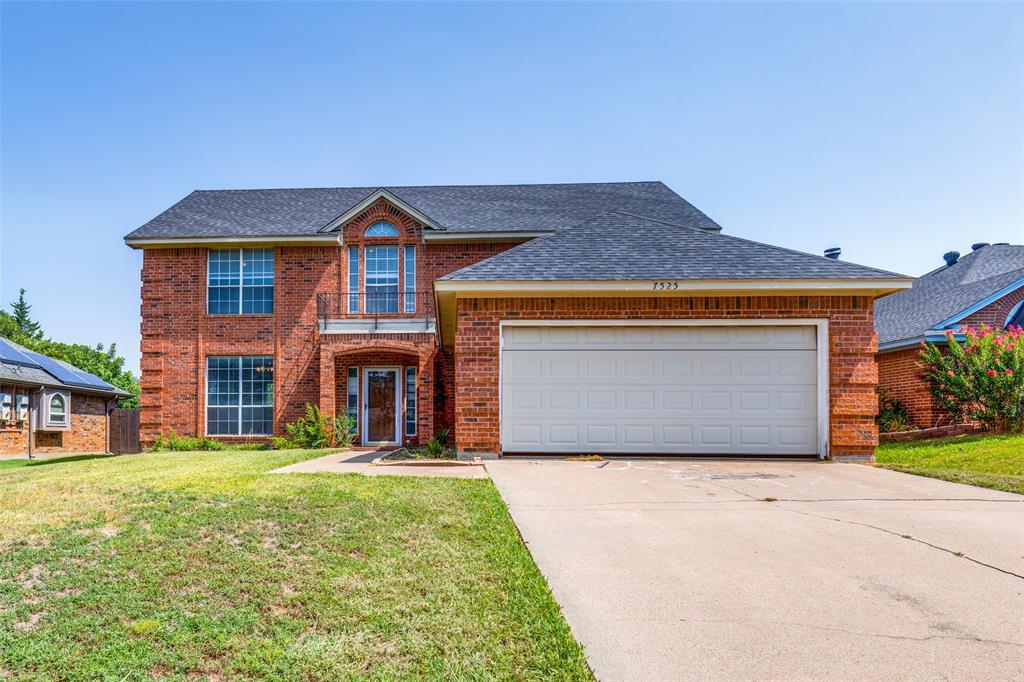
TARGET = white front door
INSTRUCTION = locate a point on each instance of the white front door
(381, 416)
(739, 390)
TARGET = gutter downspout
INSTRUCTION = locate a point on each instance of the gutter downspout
(106, 423)
(32, 422)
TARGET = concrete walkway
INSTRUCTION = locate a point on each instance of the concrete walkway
(772, 570)
(360, 462)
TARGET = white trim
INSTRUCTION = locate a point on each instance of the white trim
(368, 201)
(143, 242)
(364, 432)
(508, 235)
(651, 287)
(821, 341)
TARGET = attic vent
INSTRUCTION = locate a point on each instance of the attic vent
(833, 253)
(951, 257)
(979, 245)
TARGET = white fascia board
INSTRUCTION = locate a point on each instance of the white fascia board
(903, 344)
(492, 235)
(988, 300)
(658, 286)
(370, 200)
(148, 242)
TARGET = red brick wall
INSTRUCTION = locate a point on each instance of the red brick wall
(178, 335)
(900, 377)
(87, 432)
(852, 348)
(995, 313)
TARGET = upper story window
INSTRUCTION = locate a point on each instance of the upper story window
(381, 279)
(240, 281)
(381, 228)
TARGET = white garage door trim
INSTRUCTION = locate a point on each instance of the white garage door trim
(822, 344)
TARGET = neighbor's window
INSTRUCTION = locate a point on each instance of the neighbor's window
(240, 396)
(58, 409)
(352, 393)
(381, 228)
(240, 281)
(381, 279)
(410, 401)
(1016, 316)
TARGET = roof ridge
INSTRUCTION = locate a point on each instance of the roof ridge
(497, 184)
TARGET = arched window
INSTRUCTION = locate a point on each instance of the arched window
(57, 409)
(1016, 316)
(381, 228)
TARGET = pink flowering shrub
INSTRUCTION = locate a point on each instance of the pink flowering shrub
(980, 378)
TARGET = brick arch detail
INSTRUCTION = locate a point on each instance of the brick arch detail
(382, 209)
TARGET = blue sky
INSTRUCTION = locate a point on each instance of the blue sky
(895, 131)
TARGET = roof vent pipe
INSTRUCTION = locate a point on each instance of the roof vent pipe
(979, 245)
(951, 257)
(833, 253)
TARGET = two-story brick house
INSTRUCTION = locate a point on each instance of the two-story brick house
(527, 318)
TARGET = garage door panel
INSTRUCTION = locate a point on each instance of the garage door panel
(660, 390)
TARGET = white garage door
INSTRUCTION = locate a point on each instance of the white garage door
(744, 390)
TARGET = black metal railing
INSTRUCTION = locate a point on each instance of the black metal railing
(372, 304)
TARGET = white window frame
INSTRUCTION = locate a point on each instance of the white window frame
(48, 423)
(409, 276)
(241, 406)
(353, 280)
(394, 228)
(1013, 312)
(366, 274)
(411, 396)
(241, 280)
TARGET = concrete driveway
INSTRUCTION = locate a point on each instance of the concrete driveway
(773, 570)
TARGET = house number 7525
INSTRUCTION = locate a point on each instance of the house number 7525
(666, 286)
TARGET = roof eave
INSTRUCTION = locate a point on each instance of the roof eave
(241, 240)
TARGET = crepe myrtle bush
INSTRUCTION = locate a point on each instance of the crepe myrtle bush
(981, 378)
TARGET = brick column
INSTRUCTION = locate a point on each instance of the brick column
(327, 388)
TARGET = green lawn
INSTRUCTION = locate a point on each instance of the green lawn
(203, 566)
(989, 461)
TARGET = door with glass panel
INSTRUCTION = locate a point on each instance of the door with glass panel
(380, 410)
(381, 279)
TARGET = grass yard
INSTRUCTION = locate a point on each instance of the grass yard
(203, 566)
(989, 461)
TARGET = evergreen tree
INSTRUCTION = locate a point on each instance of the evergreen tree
(21, 311)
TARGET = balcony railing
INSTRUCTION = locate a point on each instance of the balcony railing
(386, 304)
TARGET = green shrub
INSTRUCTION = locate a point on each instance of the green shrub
(438, 445)
(344, 430)
(892, 415)
(314, 431)
(980, 378)
(172, 442)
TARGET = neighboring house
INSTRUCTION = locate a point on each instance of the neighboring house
(985, 287)
(570, 318)
(49, 406)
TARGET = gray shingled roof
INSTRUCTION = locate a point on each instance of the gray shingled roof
(620, 246)
(947, 291)
(461, 208)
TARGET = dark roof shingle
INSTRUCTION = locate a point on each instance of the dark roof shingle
(458, 208)
(947, 291)
(620, 246)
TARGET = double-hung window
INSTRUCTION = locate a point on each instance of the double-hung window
(240, 281)
(381, 279)
(240, 396)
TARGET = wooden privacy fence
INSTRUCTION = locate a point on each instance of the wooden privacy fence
(124, 431)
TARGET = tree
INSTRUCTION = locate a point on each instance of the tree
(21, 312)
(105, 363)
(980, 378)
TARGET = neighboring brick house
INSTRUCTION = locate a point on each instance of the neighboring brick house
(985, 287)
(48, 406)
(605, 317)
